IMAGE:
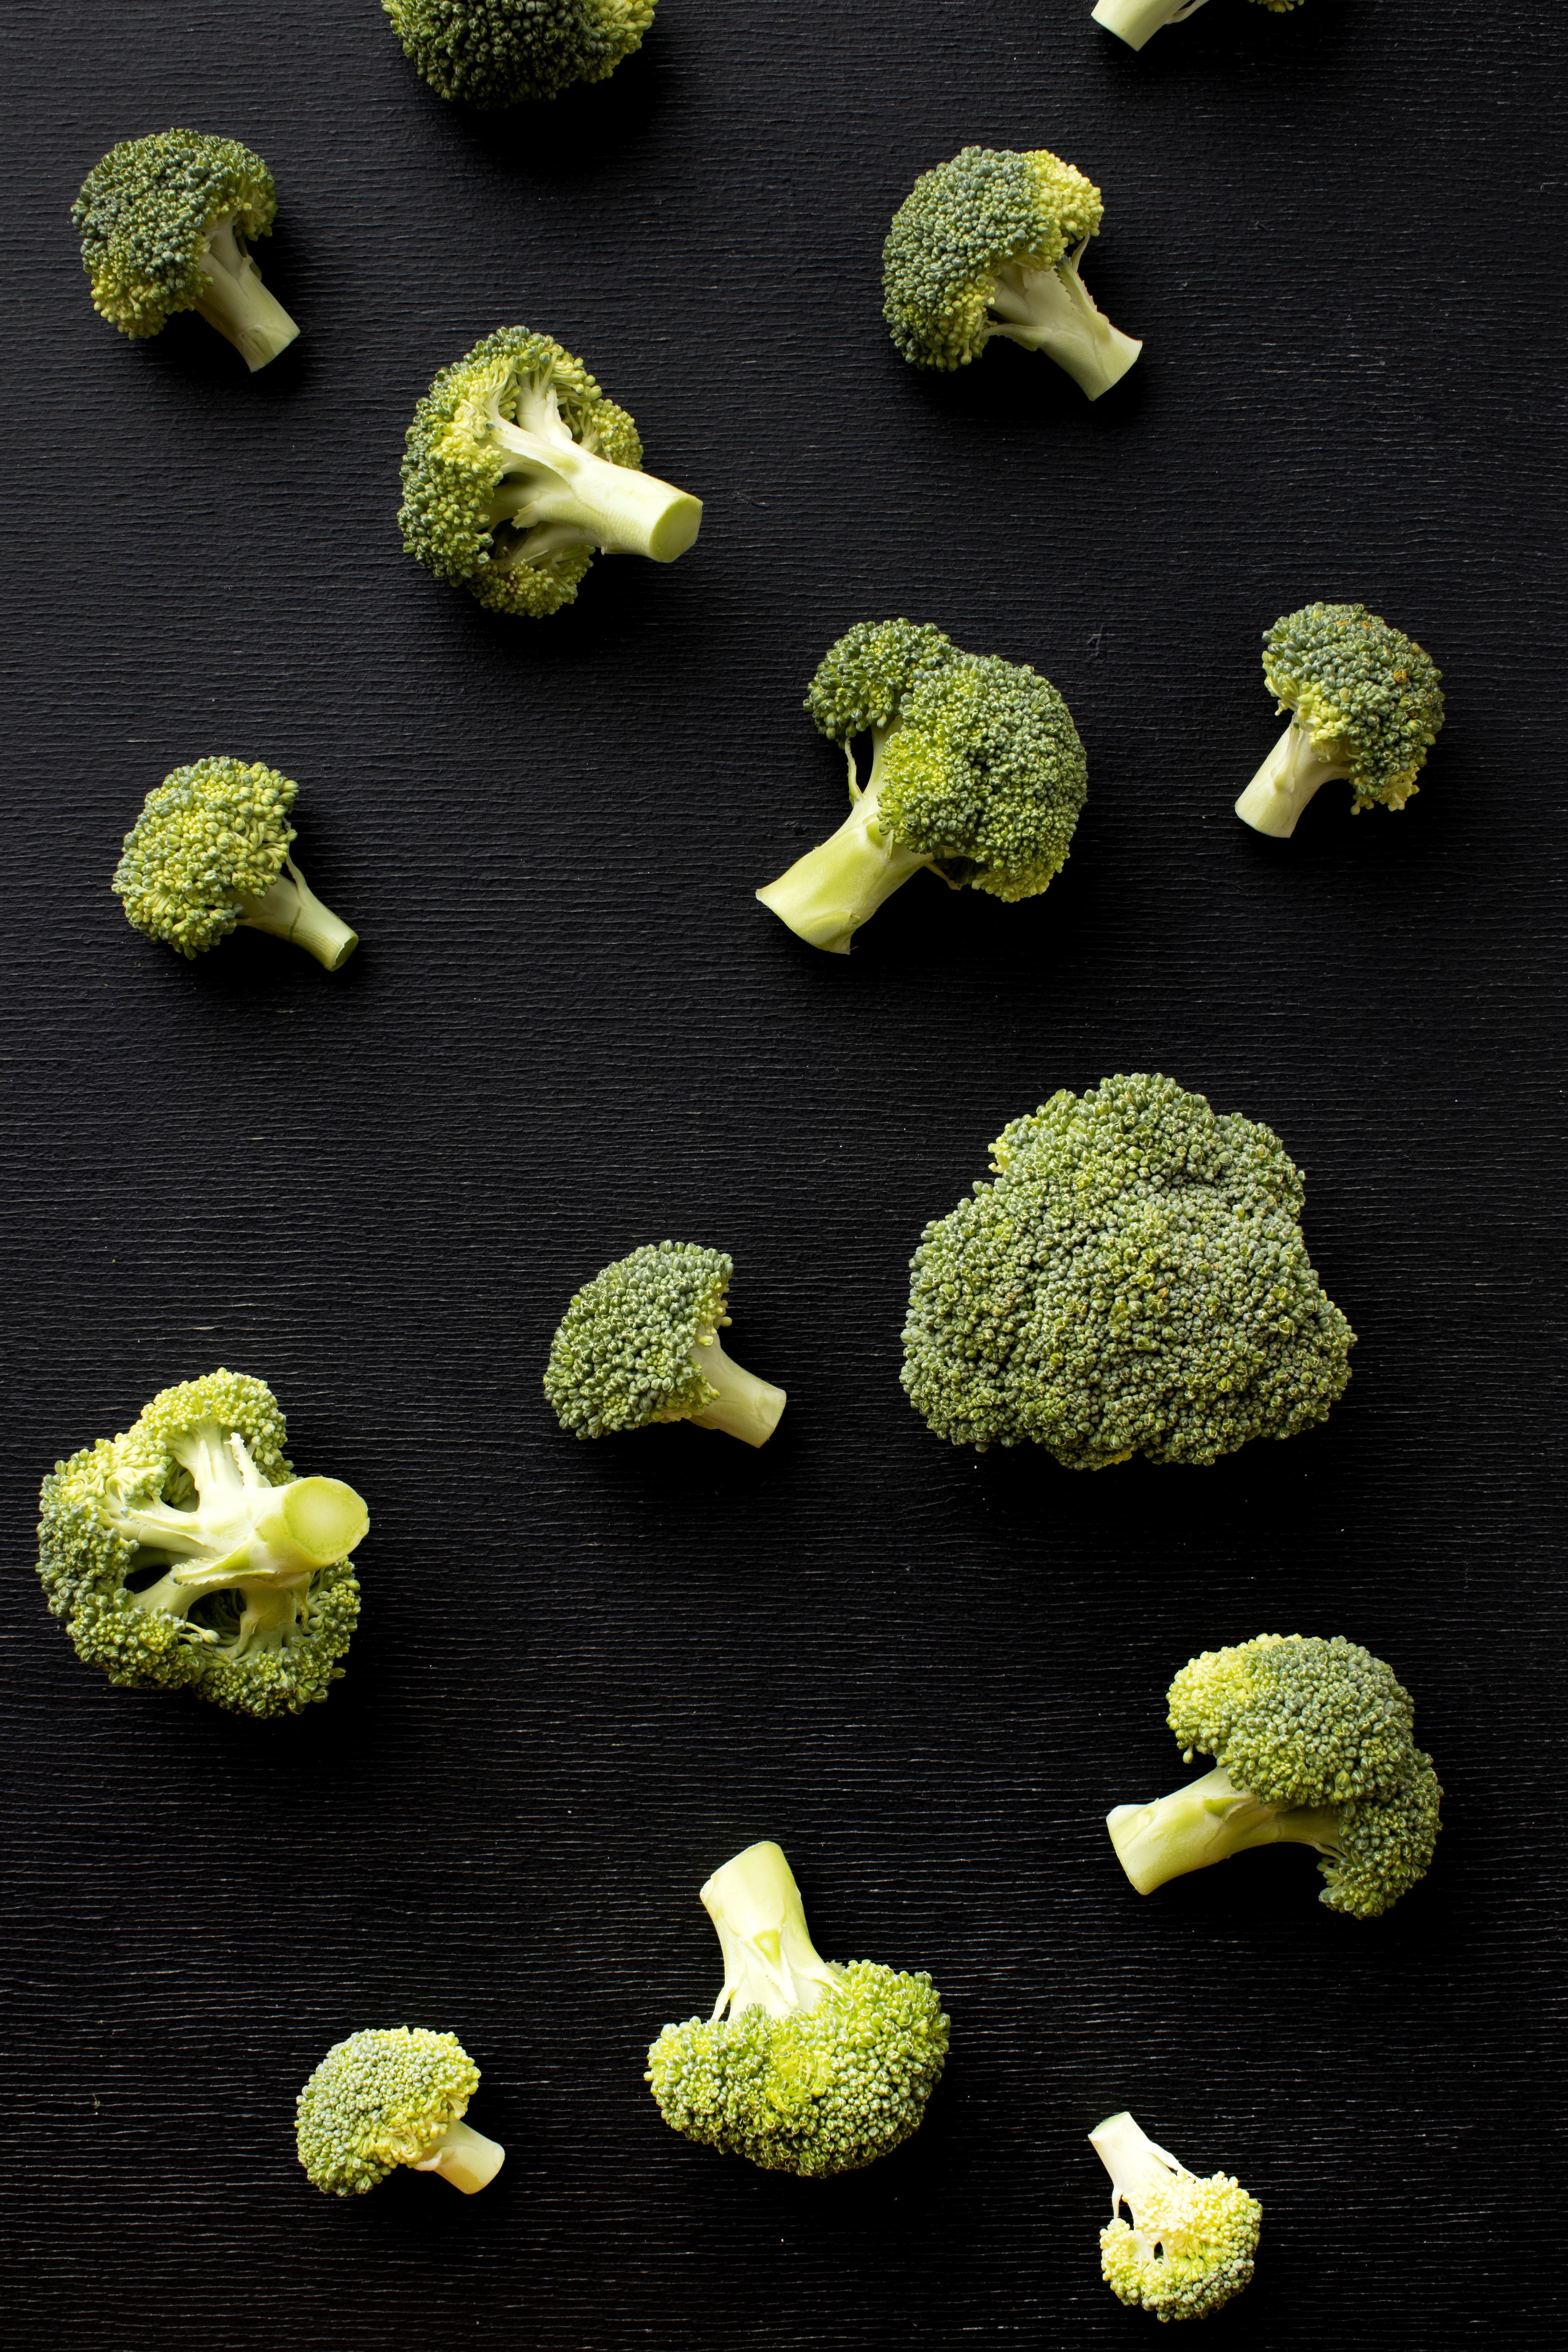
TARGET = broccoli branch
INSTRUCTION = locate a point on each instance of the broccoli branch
(744, 1406)
(291, 910)
(1274, 799)
(1052, 311)
(238, 303)
(464, 2158)
(243, 1531)
(770, 1961)
(826, 895)
(1207, 1822)
(556, 494)
(1137, 21)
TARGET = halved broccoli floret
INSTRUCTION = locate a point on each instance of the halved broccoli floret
(209, 854)
(819, 2068)
(185, 1554)
(979, 248)
(495, 52)
(1365, 702)
(978, 772)
(1191, 2244)
(518, 468)
(639, 1344)
(392, 2094)
(165, 225)
(1314, 1745)
(1137, 21)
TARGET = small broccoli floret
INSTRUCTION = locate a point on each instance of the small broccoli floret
(1192, 2242)
(980, 248)
(394, 2094)
(518, 468)
(1137, 21)
(185, 1554)
(1315, 1744)
(209, 854)
(639, 1344)
(1365, 703)
(819, 2068)
(978, 772)
(1135, 1281)
(165, 223)
(494, 53)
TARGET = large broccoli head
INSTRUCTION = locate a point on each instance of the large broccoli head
(185, 1554)
(818, 2068)
(392, 2094)
(639, 1345)
(164, 223)
(1365, 703)
(495, 52)
(980, 248)
(1191, 2242)
(518, 468)
(209, 854)
(1134, 1281)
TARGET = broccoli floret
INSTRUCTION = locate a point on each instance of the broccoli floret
(494, 53)
(185, 1553)
(209, 854)
(639, 1344)
(518, 469)
(1137, 21)
(980, 248)
(394, 2094)
(1365, 703)
(165, 223)
(1135, 1280)
(819, 2067)
(978, 772)
(1313, 1743)
(1191, 2243)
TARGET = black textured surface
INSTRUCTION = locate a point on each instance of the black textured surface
(586, 1674)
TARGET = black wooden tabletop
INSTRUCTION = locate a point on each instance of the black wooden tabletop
(585, 1675)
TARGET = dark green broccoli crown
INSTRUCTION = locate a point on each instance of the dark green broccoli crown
(498, 52)
(622, 1357)
(144, 215)
(986, 774)
(453, 467)
(826, 2090)
(209, 836)
(1134, 1280)
(118, 1614)
(382, 2099)
(861, 681)
(983, 211)
(1367, 695)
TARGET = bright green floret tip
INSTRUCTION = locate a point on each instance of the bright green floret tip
(493, 53)
(1366, 704)
(394, 2094)
(639, 1345)
(1192, 2241)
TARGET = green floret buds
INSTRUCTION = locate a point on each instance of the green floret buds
(639, 1345)
(989, 243)
(1314, 1745)
(1137, 21)
(185, 1554)
(819, 2068)
(209, 854)
(977, 773)
(493, 53)
(1134, 1281)
(518, 469)
(1191, 2243)
(394, 2094)
(165, 225)
(1365, 703)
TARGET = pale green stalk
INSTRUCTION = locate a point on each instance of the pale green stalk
(1053, 311)
(236, 301)
(1274, 799)
(1207, 1822)
(291, 910)
(745, 1407)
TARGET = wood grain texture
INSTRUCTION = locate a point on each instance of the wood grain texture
(585, 1675)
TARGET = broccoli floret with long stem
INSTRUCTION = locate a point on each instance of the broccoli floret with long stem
(989, 243)
(185, 1553)
(1313, 1744)
(639, 1345)
(819, 2068)
(392, 2094)
(1191, 2243)
(165, 225)
(1137, 21)
(493, 53)
(209, 854)
(1365, 703)
(518, 469)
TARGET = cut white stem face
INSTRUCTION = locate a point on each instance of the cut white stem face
(1292, 772)
(464, 2158)
(558, 495)
(1137, 21)
(242, 1531)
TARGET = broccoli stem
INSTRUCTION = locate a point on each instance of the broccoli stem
(745, 1407)
(770, 1961)
(291, 910)
(1207, 1822)
(1139, 2170)
(464, 2158)
(238, 303)
(616, 509)
(1286, 781)
(1052, 311)
(826, 895)
(1137, 21)
(255, 1534)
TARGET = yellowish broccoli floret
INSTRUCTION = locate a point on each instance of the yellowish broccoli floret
(1191, 2242)
(392, 2094)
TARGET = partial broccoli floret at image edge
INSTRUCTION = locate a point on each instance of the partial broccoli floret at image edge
(1137, 21)
(498, 53)
(391, 2096)
(639, 1345)
(1191, 2244)
(1365, 703)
